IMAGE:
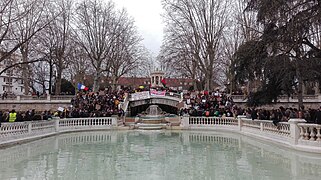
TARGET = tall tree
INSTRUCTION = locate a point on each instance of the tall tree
(127, 53)
(20, 21)
(25, 27)
(199, 27)
(97, 32)
(56, 40)
(288, 39)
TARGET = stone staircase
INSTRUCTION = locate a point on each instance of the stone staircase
(149, 126)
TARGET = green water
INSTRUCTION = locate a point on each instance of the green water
(155, 155)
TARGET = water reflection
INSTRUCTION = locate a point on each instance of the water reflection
(155, 155)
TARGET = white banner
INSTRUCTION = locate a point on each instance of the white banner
(140, 95)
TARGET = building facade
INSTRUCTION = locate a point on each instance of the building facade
(11, 82)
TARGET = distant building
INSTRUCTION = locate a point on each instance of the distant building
(10, 80)
(156, 79)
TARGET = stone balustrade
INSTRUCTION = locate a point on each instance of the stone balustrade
(12, 133)
(294, 134)
(310, 132)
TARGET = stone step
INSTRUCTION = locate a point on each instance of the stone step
(150, 126)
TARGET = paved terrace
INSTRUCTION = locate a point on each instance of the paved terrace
(23, 103)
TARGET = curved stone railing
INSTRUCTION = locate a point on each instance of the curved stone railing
(20, 131)
(295, 134)
(212, 121)
(310, 132)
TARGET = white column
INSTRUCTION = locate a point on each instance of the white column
(57, 125)
(114, 121)
(295, 130)
(29, 127)
(185, 121)
(240, 122)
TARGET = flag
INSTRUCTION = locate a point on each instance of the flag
(163, 82)
(81, 86)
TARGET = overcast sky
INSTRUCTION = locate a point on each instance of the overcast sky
(147, 16)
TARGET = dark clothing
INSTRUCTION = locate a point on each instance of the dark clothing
(254, 114)
(318, 117)
(1, 118)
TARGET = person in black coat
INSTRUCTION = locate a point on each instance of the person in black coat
(1, 117)
(318, 116)
(254, 114)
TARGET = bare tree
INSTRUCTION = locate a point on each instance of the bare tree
(242, 28)
(56, 41)
(25, 27)
(199, 27)
(97, 31)
(127, 53)
(79, 65)
(19, 15)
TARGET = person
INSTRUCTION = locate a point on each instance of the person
(1, 117)
(253, 114)
(12, 116)
(4, 95)
(318, 116)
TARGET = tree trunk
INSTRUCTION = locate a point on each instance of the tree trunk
(300, 87)
(25, 71)
(207, 81)
(58, 82)
(114, 83)
(96, 81)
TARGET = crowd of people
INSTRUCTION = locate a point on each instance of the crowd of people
(221, 105)
(203, 103)
(99, 104)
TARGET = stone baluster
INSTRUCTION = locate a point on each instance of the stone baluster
(301, 133)
(318, 134)
(312, 134)
(306, 133)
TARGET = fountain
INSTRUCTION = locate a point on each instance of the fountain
(152, 118)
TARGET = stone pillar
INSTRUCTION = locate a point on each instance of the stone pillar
(185, 121)
(29, 127)
(57, 125)
(18, 98)
(114, 120)
(48, 97)
(240, 124)
(295, 130)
